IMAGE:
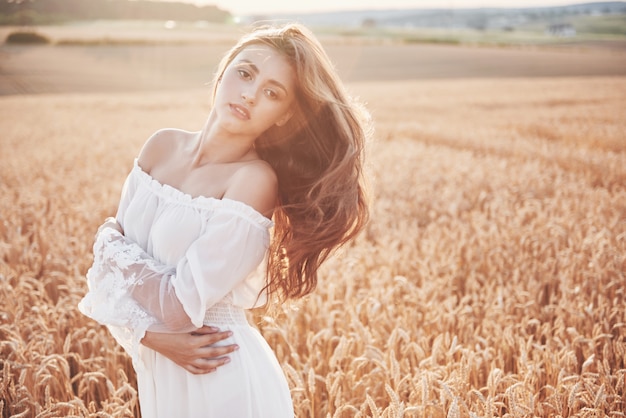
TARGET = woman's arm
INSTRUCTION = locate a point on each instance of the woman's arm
(127, 284)
(196, 351)
(193, 351)
(132, 293)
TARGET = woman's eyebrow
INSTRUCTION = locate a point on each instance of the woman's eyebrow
(255, 69)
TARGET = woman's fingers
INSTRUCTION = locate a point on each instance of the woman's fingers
(204, 365)
(196, 370)
(199, 352)
(214, 338)
(208, 356)
(206, 329)
(212, 351)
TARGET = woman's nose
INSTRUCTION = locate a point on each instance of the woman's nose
(248, 97)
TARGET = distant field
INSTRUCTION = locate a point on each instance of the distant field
(606, 26)
(140, 57)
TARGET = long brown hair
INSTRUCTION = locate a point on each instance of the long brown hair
(317, 157)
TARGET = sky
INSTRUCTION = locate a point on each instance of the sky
(248, 7)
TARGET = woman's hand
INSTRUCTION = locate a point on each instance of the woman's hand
(194, 351)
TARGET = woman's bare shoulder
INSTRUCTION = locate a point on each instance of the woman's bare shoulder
(256, 185)
(160, 144)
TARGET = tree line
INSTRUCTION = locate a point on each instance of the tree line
(25, 12)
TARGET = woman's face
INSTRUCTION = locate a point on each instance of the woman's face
(256, 91)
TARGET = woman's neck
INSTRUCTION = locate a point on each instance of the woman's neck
(215, 145)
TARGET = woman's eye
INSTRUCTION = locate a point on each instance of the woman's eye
(271, 94)
(244, 74)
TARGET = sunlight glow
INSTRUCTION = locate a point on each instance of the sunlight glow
(250, 7)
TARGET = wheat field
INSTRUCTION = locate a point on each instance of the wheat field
(489, 283)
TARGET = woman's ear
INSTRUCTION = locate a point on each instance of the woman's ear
(285, 118)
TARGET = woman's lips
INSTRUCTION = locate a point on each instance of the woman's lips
(240, 111)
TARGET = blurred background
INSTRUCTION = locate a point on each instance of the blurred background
(490, 280)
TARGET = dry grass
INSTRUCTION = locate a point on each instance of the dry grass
(490, 282)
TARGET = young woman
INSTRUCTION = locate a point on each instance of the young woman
(275, 174)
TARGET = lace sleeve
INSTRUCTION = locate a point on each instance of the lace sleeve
(132, 293)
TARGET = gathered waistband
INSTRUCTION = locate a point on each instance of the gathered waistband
(225, 314)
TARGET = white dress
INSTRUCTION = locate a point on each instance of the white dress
(181, 263)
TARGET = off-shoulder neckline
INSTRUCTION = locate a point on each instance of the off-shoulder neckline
(204, 201)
